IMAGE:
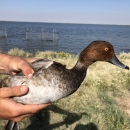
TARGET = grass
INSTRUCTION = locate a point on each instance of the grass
(101, 103)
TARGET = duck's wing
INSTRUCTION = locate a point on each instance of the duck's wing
(44, 63)
(41, 63)
(38, 65)
(58, 64)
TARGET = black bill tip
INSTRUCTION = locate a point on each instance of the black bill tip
(114, 60)
(127, 67)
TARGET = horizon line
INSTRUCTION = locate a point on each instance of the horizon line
(62, 22)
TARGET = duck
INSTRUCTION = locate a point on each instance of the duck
(52, 81)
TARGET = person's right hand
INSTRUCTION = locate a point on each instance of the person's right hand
(10, 110)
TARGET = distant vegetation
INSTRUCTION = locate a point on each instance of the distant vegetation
(101, 103)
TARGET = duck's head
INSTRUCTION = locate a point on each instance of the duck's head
(100, 51)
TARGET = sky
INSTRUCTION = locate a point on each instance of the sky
(66, 11)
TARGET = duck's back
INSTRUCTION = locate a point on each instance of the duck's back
(51, 81)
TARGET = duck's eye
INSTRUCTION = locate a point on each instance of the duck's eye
(106, 49)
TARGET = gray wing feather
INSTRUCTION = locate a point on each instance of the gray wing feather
(38, 65)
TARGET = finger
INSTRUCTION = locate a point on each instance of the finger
(26, 69)
(6, 92)
(17, 64)
(31, 109)
(30, 60)
(19, 118)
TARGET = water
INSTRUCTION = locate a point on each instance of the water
(73, 38)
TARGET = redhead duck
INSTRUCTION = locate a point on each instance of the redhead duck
(52, 81)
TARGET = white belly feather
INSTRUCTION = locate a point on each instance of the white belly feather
(45, 93)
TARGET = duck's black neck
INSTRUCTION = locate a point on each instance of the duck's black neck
(80, 67)
(83, 66)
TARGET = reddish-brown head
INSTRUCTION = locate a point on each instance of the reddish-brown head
(97, 51)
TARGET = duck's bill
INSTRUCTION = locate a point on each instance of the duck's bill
(116, 62)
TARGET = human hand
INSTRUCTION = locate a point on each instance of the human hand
(13, 64)
(10, 110)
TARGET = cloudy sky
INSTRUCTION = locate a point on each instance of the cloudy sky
(67, 11)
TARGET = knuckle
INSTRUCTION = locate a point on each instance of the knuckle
(16, 62)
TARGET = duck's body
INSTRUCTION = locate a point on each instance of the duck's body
(50, 82)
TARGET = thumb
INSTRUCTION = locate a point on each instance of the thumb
(6, 92)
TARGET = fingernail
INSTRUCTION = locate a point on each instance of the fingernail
(23, 88)
(30, 75)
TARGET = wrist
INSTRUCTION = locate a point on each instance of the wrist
(4, 61)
